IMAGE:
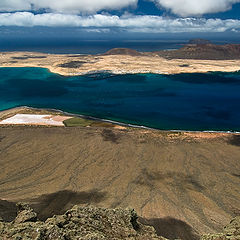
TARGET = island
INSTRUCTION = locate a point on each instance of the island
(191, 58)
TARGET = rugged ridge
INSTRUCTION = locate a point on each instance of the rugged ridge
(78, 223)
(92, 223)
(230, 232)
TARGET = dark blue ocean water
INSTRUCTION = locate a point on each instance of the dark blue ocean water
(69, 46)
(76, 45)
(184, 101)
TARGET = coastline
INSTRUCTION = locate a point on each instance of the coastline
(15, 110)
(69, 65)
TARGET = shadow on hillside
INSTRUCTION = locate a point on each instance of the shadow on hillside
(235, 140)
(8, 210)
(109, 135)
(48, 205)
(171, 228)
(58, 203)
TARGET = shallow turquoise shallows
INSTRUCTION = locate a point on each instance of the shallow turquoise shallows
(173, 102)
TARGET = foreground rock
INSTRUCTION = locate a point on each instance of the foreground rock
(78, 223)
(230, 232)
(92, 223)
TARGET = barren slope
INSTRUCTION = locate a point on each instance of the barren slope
(183, 180)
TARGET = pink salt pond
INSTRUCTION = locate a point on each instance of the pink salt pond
(34, 119)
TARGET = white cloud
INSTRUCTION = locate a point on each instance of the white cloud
(139, 23)
(65, 6)
(180, 7)
(196, 7)
(14, 5)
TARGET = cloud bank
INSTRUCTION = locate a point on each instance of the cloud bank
(186, 8)
(65, 6)
(146, 23)
(180, 7)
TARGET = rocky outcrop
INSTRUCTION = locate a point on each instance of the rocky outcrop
(78, 223)
(92, 223)
(25, 214)
(230, 232)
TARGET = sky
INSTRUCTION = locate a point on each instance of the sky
(129, 18)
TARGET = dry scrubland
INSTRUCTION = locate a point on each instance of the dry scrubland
(187, 183)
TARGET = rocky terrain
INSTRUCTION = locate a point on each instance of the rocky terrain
(86, 223)
(91, 223)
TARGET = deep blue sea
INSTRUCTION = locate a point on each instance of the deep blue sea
(70, 46)
(80, 46)
(174, 102)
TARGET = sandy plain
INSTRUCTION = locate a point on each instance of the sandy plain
(67, 64)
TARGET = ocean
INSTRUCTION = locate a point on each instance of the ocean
(80, 46)
(195, 102)
(77, 46)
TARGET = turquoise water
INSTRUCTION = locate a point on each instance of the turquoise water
(173, 102)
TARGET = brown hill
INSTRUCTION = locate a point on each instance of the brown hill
(186, 180)
(204, 52)
(197, 49)
(123, 51)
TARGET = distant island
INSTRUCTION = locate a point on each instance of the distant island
(197, 56)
